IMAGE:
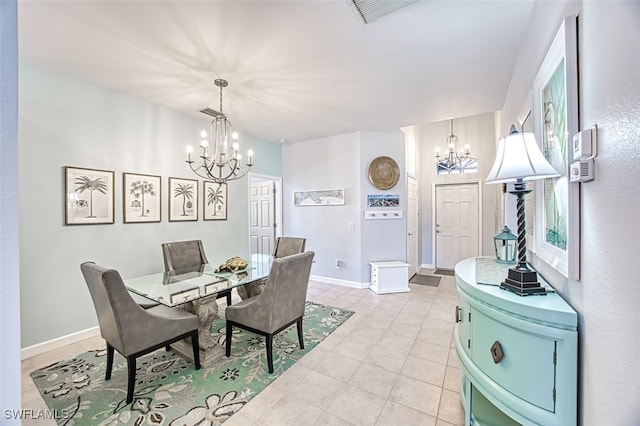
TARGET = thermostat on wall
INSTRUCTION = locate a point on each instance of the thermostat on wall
(583, 143)
(581, 171)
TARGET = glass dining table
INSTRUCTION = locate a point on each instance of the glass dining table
(196, 290)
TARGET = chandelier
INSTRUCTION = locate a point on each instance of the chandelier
(456, 160)
(219, 160)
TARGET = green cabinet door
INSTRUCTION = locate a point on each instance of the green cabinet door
(527, 366)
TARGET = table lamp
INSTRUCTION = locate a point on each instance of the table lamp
(518, 160)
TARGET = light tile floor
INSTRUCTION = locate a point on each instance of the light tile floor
(391, 363)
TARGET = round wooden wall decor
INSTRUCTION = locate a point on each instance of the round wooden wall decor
(384, 172)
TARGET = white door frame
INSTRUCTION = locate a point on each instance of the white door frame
(433, 215)
(417, 230)
(278, 198)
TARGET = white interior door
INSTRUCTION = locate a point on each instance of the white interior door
(412, 225)
(262, 216)
(457, 223)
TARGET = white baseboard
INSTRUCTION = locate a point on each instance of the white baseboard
(58, 342)
(345, 283)
(427, 266)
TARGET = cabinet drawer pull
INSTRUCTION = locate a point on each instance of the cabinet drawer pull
(496, 352)
(458, 312)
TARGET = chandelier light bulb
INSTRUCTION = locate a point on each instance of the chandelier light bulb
(203, 134)
(235, 146)
(250, 153)
(238, 157)
(234, 136)
(204, 143)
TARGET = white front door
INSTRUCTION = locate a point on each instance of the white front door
(262, 216)
(457, 223)
(412, 225)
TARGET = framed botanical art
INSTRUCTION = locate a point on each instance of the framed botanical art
(183, 199)
(555, 109)
(214, 204)
(141, 198)
(89, 196)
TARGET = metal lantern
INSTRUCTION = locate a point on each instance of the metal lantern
(505, 246)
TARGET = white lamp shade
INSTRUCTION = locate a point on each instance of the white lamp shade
(519, 157)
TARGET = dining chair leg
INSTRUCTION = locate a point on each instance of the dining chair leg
(299, 327)
(228, 342)
(270, 352)
(110, 350)
(229, 299)
(196, 349)
(167, 348)
(131, 381)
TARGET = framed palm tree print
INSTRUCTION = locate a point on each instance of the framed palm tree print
(183, 199)
(214, 201)
(89, 196)
(141, 198)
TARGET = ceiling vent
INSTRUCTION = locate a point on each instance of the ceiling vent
(372, 10)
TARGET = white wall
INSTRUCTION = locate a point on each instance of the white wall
(384, 239)
(607, 294)
(10, 382)
(65, 122)
(477, 131)
(342, 161)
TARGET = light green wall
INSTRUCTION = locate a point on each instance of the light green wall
(9, 289)
(66, 122)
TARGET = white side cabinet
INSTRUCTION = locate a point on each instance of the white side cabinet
(389, 277)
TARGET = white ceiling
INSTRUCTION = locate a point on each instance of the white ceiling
(297, 70)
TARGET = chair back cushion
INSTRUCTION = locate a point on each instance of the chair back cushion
(111, 300)
(286, 246)
(283, 298)
(183, 254)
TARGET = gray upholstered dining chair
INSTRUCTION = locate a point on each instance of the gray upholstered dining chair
(280, 304)
(187, 254)
(131, 330)
(285, 246)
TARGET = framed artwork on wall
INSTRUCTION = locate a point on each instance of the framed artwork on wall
(383, 200)
(214, 205)
(89, 196)
(141, 198)
(328, 197)
(555, 109)
(183, 199)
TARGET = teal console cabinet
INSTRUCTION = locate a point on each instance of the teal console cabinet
(518, 355)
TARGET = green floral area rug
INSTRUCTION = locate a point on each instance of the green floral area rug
(169, 390)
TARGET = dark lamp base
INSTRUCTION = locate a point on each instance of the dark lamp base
(523, 282)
